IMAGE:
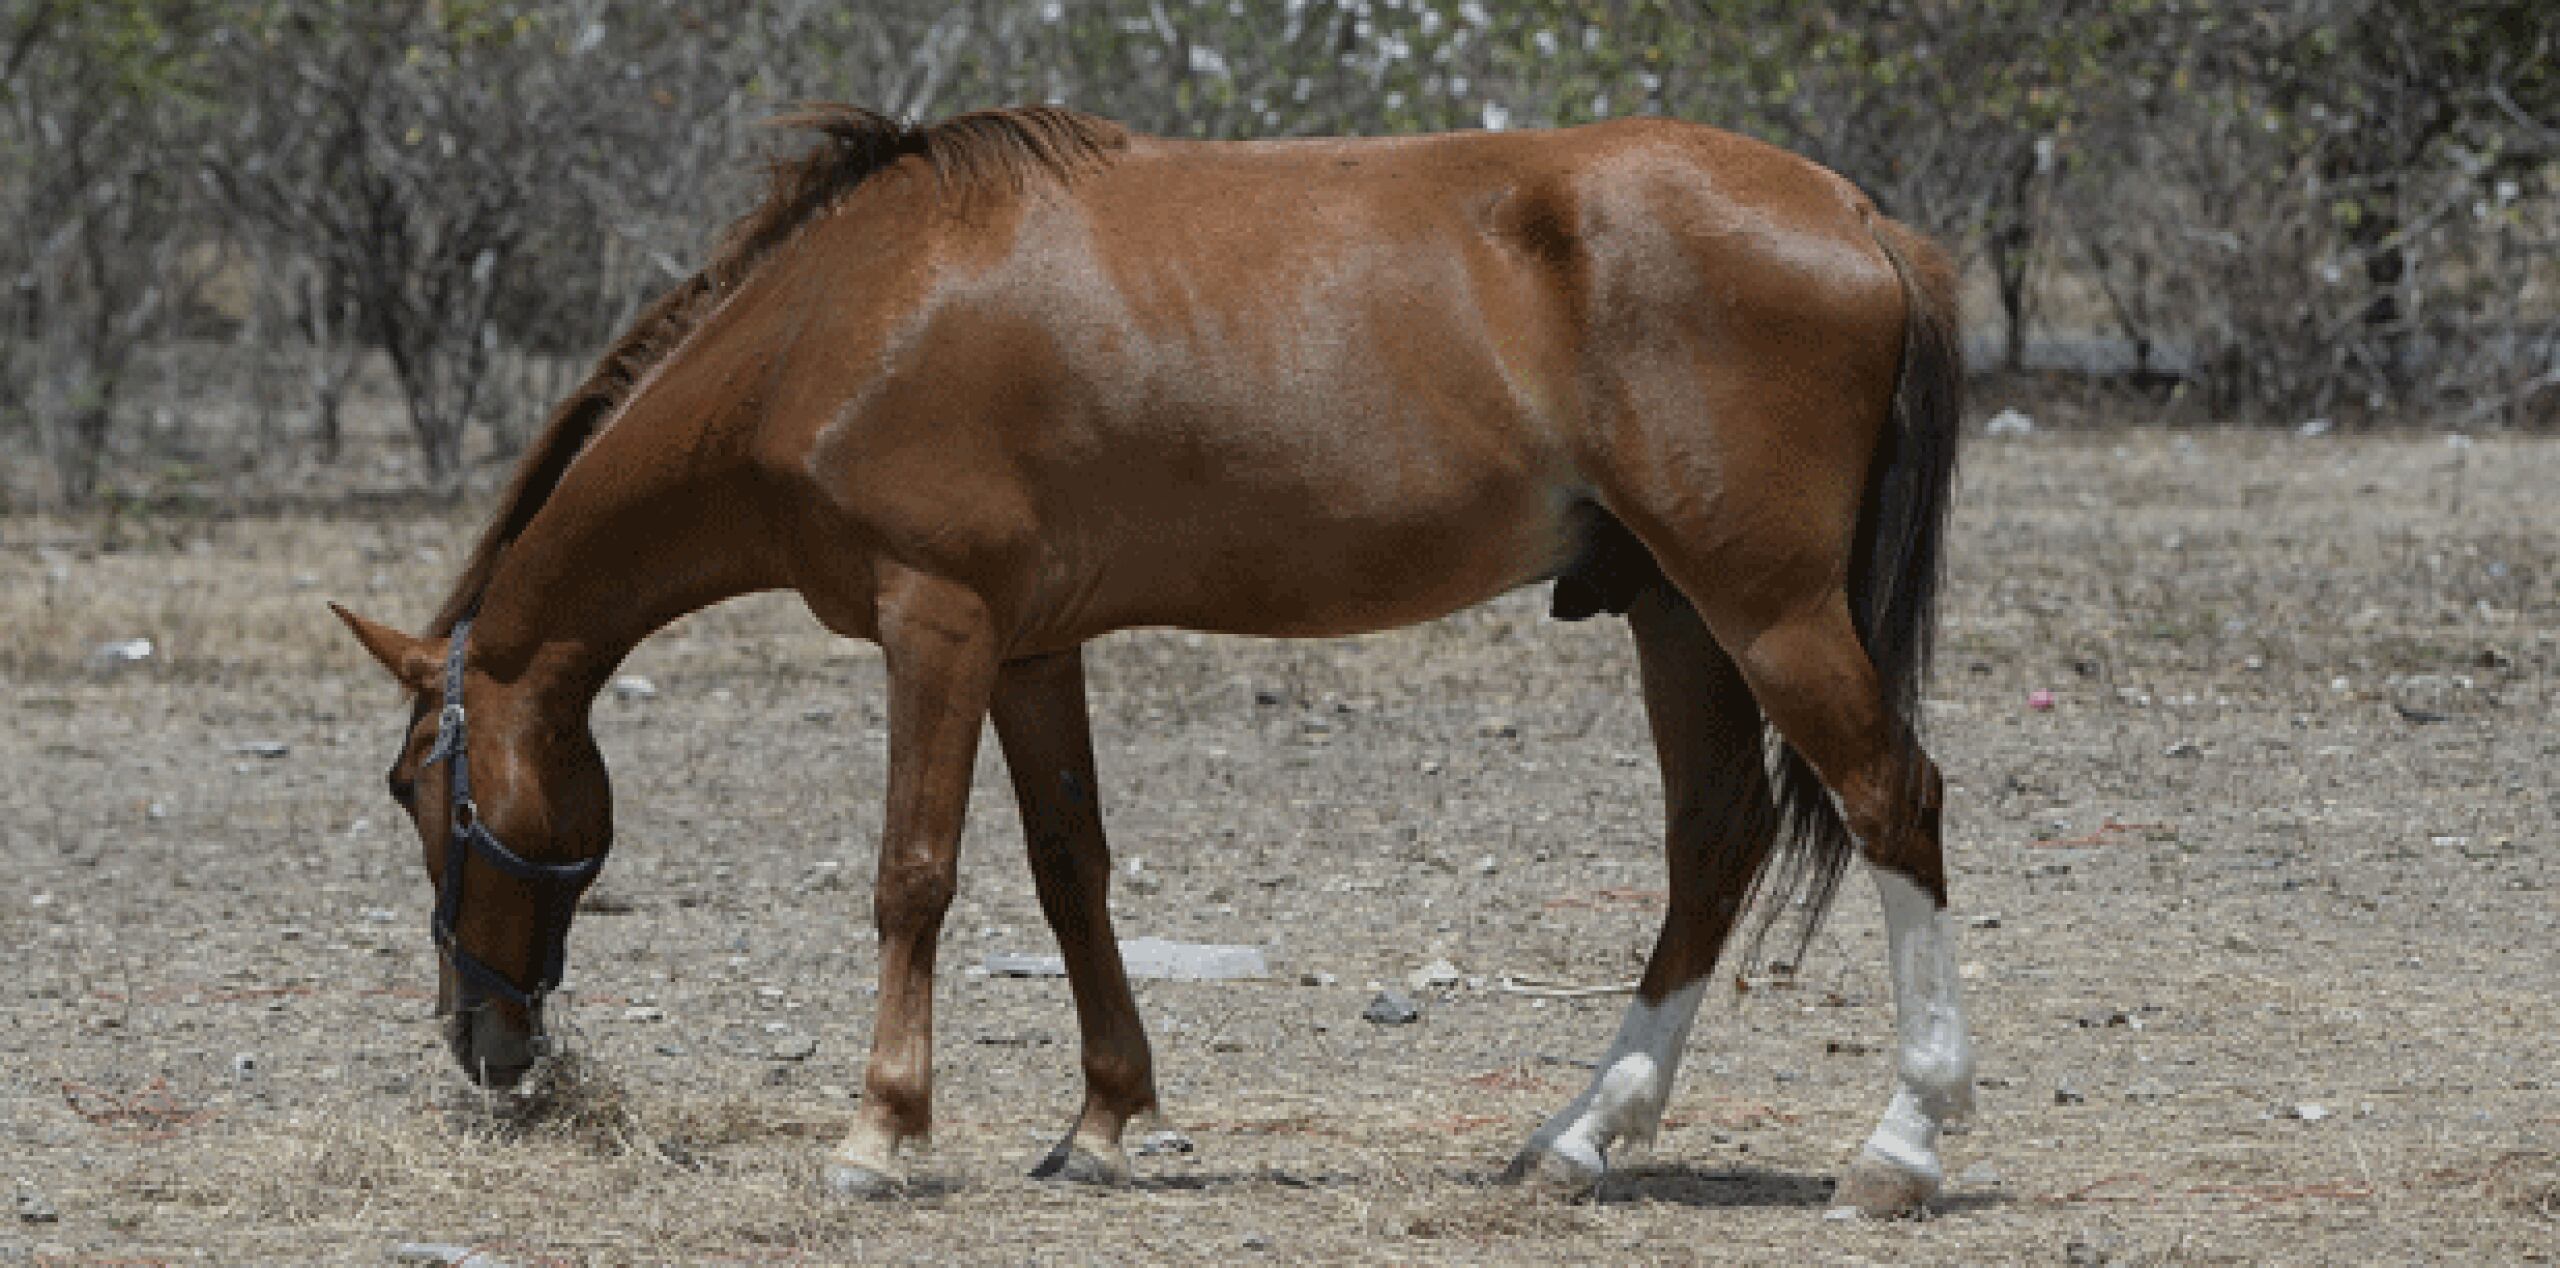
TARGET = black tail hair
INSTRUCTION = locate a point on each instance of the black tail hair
(1894, 570)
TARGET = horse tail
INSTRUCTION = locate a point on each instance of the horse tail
(1900, 559)
(1897, 559)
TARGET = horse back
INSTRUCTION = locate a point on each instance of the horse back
(1311, 387)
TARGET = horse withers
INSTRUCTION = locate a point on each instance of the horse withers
(984, 390)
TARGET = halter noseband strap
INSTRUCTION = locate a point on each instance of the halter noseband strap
(466, 837)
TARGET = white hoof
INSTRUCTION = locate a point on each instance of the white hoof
(854, 1180)
(1879, 1189)
(1568, 1166)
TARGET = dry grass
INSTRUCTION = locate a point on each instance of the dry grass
(569, 1098)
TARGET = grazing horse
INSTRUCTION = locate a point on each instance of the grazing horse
(983, 390)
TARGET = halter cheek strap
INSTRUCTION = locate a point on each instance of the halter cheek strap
(467, 838)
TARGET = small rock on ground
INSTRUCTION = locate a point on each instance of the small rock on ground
(2098, 1249)
(1392, 1008)
(1437, 975)
(444, 1253)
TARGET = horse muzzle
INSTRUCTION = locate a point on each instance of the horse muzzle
(494, 1051)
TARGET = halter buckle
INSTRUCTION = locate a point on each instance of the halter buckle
(449, 723)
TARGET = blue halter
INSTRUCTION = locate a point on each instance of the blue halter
(466, 837)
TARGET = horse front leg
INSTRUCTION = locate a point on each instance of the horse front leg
(1041, 722)
(940, 647)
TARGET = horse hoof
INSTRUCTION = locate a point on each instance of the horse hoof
(1560, 1169)
(1879, 1190)
(1076, 1162)
(853, 1180)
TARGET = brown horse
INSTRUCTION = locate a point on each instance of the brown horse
(984, 390)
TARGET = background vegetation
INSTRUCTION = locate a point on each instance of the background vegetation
(245, 211)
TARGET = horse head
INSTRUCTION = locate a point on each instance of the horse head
(512, 807)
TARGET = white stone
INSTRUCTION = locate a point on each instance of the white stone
(2010, 422)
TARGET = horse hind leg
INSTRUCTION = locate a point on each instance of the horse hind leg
(1721, 822)
(1815, 682)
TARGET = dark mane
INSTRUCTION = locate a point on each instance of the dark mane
(984, 151)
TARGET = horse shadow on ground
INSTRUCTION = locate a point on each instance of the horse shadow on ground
(1679, 1184)
(1207, 1181)
(1672, 1184)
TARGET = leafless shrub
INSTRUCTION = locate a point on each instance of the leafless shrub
(96, 258)
(410, 154)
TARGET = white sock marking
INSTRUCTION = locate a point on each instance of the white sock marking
(1630, 1087)
(1934, 1060)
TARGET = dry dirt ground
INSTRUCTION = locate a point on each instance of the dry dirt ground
(2263, 939)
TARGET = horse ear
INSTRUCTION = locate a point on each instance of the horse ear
(411, 660)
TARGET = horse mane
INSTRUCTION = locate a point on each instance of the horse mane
(979, 153)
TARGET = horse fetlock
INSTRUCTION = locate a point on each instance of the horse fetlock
(1949, 1102)
(1631, 1095)
(1120, 1085)
(1940, 1077)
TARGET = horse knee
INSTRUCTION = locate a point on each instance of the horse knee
(913, 895)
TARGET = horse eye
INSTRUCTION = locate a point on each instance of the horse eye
(404, 791)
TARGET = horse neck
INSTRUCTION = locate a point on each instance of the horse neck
(642, 530)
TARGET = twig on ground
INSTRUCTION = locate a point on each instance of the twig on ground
(1614, 898)
(1537, 989)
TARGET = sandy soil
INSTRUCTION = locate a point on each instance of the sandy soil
(2263, 958)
